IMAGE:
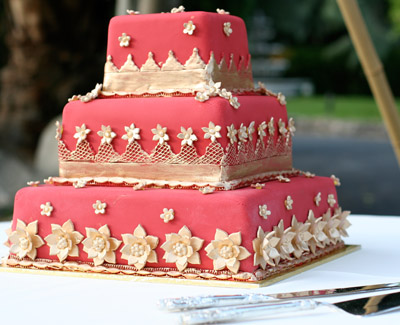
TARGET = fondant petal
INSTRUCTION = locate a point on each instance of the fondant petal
(68, 226)
(235, 267)
(37, 241)
(196, 243)
(220, 234)
(139, 231)
(32, 227)
(244, 253)
(219, 263)
(74, 251)
(32, 254)
(110, 257)
(152, 257)
(184, 231)
(152, 241)
(194, 259)
(105, 230)
(236, 238)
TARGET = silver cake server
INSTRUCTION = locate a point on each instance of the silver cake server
(198, 302)
(374, 305)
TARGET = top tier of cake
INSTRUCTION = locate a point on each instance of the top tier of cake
(176, 52)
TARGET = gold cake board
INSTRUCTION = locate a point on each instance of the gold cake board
(210, 283)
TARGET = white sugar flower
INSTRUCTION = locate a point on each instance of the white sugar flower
(291, 126)
(81, 133)
(282, 127)
(242, 133)
(99, 207)
(167, 215)
(263, 211)
(251, 130)
(47, 209)
(160, 134)
(133, 12)
(331, 200)
(271, 126)
(201, 96)
(261, 130)
(124, 40)
(132, 133)
(177, 10)
(227, 29)
(189, 28)
(234, 102)
(187, 136)
(222, 12)
(317, 199)
(212, 132)
(107, 134)
(289, 203)
(225, 94)
(281, 99)
(213, 88)
(232, 133)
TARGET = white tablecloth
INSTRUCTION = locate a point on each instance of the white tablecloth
(42, 299)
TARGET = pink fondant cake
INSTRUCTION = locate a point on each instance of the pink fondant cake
(208, 156)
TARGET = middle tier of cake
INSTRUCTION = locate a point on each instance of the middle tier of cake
(177, 139)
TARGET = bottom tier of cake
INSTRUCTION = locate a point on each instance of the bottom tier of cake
(248, 234)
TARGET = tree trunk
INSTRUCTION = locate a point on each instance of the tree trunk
(56, 49)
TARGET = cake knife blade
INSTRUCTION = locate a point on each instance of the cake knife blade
(370, 306)
(200, 302)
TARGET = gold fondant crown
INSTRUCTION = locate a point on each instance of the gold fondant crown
(173, 76)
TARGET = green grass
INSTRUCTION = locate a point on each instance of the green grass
(361, 108)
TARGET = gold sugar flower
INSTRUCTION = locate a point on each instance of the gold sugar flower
(139, 248)
(225, 251)
(285, 246)
(258, 186)
(167, 215)
(265, 248)
(212, 132)
(263, 211)
(99, 207)
(187, 136)
(132, 133)
(107, 134)
(47, 209)
(182, 248)
(301, 238)
(189, 28)
(24, 240)
(232, 133)
(344, 223)
(64, 240)
(227, 29)
(100, 246)
(331, 229)
(160, 134)
(317, 226)
(81, 133)
(124, 40)
(242, 133)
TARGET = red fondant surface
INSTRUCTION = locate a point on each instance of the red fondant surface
(170, 112)
(231, 211)
(160, 33)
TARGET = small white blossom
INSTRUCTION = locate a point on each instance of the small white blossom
(289, 203)
(160, 134)
(201, 96)
(177, 10)
(132, 12)
(251, 130)
(263, 211)
(99, 207)
(212, 132)
(258, 186)
(234, 102)
(107, 134)
(189, 28)
(47, 209)
(282, 127)
(271, 126)
(242, 133)
(222, 12)
(167, 215)
(281, 99)
(81, 133)
(124, 40)
(283, 179)
(213, 89)
(232, 133)
(207, 190)
(261, 130)
(132, 133)
(331, 200)
(317, 199)
(227, 29)
(187, 136)
(225, 94)
(80, 183)
(291, 127)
